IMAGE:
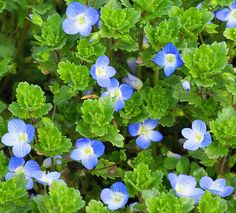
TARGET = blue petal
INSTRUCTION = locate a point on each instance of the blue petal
(31, 166)
(114, 205)
(70, 27)
(187, 180)
(76, 154)
(37, 174)
(30, 184)
(199, 126)
(16, 126)
(82, 142)
(170, 48)
(206, 141)
(90, 162)
(186, 85)
(21, 150)
(220, 182)
(9, 175)
(231, 24)
(106, 196)
(10, 139)
(169, 69)
(126, 91)
(102, 61)
(134, 129)
(179, 61)
(109, 71)
(143, 142)
(93, 72)
(155, 136)
(191, 145)
(47, 162)
(228, 190)
(114, 83)
(91, 15)
(233, 5)
(14, 163)
(85, 30)
(150, 124)
(53, 175)
(196, 194)
(98, 148)
(74, 9)
(173, 179)
(223, 14)
(105, 94)
(119, 187)
(206, 182)
(159, 59)
(188, 133)
(30, 132)
(103, 81)
(119, 104)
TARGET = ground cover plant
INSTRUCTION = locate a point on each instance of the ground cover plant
(117, 106)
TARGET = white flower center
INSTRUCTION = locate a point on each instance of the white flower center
(143, 131)
(87, 151)
(182, 189)
(170, 58)
(99, 71)
(199, 137)
(19, 170)
(80, 19)
(117, 197)
(22, 137)
(115, 93)
(232, 15)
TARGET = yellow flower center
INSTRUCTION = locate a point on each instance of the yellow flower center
(179, 188)
(142, 131)
(88, 151)
(22, 137)
(118, 197)
(19, 170)
(199, 137)
(80, 19)
(170, 58)
(99, 71)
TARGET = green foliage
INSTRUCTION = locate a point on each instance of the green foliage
(142, 178)
(61, 198)
(205, 62)
(211, 204)
(230, 33)
(51, 141)
(30, 102)
(97, 116)
(183, 165)
(96, 206)
(3, 164)
(13, 195)
(169, 203)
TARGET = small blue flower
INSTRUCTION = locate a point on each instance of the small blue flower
(228, 15)
(47, 163)
(79, 19)
(186, 85)
(121, 93)
(133, 81)
(47, 178)
(88, 151)
(169, 58)
(132, 64)
(116, 197)
(184, 186)
(18, 165)
(197, 137)
(19, 136)
(101, 72)
(217, 187)
(145, 133)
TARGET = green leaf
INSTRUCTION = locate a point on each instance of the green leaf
(6, 67)
(96, 206)
(183, 165)
(61, 198)
(2, 5)
(3, 164)
(170, 163)
(51, 141)
(30, 102)
(211, 204)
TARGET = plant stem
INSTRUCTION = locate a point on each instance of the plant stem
(155, 76)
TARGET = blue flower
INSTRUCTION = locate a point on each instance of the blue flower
(169, 58)
(79, 19)
(18, 165)
(19, 136)
(47, 178)
(88, 151)
(228, 15)
(184, 186)
(47, 163)
(121, 93)
(101, 72)
(116, 197)
(217, 187)
(145, 133)
(132, 64)
(133, 81)
(186, 85)
(197, 137)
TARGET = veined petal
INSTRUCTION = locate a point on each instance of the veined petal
(223, 14)
(109, 71)
(179, 61)
(30, 132)
(90, 162)
(105, 94)
(74, 9)
(93, 72)
(29, 184)
(143, 142)
(91, 15)
(16, 126)
(169, 69)
(228, 190)
(85, 29)
(188, 133)
(102, 61)
(206, 141)
(82, 142)
(70, 27)
(103, 81)
(119, 187)
(106, 196)
(10, 139)
(199, 126)
(14, 163)
(76, 154)
(31, 166)
(233, 5)
(191, 145)
(196, 194)
(187, 180)
(114, 206)
(21, 150)
(206, 182)
(155, 136)
(53, 176)
(220, 181)
(231, 23)
(170, 48)
(134, 129)
(9, 175)
(173, 179)
(98, 148)
(150, 124)
(119, 104)
(186, 85)
(126, 91)
(114, 84)
(159, 59)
